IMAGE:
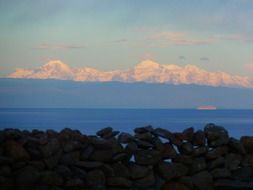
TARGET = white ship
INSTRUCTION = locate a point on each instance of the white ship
(207, 108)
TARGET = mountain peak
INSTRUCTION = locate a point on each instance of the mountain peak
(52, 64)
(147, 64)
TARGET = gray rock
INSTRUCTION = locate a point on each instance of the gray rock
(70, 146)
(186, 148)
(174, 186)
(52, 161)
(187, 181)
(163, 133)
(105, 131)
(89, 164)
(170, 171)
(12, 134)
(16, 151)
(137, 171)
(86, 152)
(198, 165)
(146, 181)
(226, 184)
(200, 151)
(219, 162)
(247, 143)
(221, 173)
(118, 182)
(5, 171)
(120, 157)
(216, 135)
(202, 181)
(232, 161)
(51, 148)
(27, 178)
(51, 178)
(96, 179)
(144, 136)
(125, 138)
(168, 151)
(6, 160)
(37, 164)
(108, 170)
(248, 161)
(235, 146)
(199, 138)
(70, 158)
(63, 171)
(120, 170)
(183, 159)
(144, 129)
(102, 155)
(217, 152)
(74, 183)
(243, 174)
(100, 143)
(187, 134)
(147, 157)
(143, 144)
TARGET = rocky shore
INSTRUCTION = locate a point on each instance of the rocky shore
(150, 158)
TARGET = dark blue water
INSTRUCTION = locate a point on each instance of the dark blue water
(238, 122)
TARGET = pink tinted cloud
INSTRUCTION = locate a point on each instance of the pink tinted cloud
(180, 38)
(237, 37)
(249, 66)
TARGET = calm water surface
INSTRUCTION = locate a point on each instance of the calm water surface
(238, 122)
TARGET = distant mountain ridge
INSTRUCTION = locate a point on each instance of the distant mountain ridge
(146, 71)
(47, 93)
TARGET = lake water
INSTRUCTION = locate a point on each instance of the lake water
(238, 122)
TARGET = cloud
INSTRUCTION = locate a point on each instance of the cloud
(58, 47)
(204, 59)
(146, 71)
(179, 38)
(249, 66)
(237, 37)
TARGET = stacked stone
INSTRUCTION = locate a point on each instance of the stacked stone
(152, 158)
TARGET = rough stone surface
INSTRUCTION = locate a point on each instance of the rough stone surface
(150, 158)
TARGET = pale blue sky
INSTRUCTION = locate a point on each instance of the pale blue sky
(216, 35)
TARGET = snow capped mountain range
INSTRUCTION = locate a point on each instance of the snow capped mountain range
(146, 71)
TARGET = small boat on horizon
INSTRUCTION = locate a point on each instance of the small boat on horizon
(207, 108)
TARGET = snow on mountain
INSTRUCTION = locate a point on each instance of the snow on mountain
(146, 71)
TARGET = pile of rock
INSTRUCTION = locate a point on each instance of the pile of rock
(152, 158)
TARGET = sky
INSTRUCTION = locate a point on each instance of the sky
(216, 35)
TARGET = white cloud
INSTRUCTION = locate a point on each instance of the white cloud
(146, 71)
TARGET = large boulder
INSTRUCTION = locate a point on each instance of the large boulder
(216, 135)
